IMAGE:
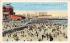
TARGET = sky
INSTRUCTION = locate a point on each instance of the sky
(39, 6)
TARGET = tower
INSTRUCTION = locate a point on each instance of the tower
(7, 10)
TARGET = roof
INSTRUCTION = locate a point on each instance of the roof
(15, 17)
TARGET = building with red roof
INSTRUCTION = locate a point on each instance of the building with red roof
(8, 13)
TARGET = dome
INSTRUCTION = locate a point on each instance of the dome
(8, 6)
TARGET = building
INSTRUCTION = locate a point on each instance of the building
(9, 14)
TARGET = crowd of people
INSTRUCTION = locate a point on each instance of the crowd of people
(38, 32)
